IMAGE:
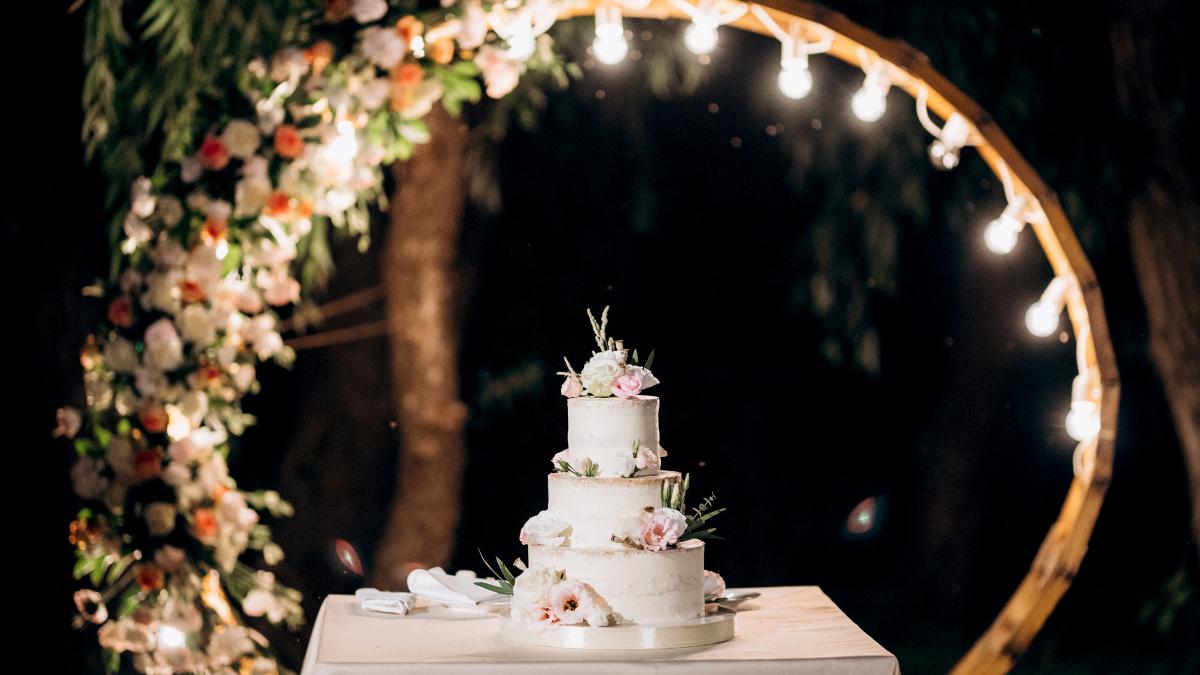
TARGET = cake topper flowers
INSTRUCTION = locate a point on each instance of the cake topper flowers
(612, 371)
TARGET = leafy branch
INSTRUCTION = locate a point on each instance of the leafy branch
(505, 578)
(674, 496)
(590, 468)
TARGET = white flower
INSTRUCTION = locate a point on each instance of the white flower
(259, 602)
(500, 73)
(648, 379)
(196, 324)
(382, 46)
(176, 474)
(164, 349)
(622, 467)
(149, 381)
(251, 194)
(600, 371)
(713, 584)
(160, 518)
(374, 92)
(86, 479)
(547, 528)
(68, 421)
(241, 138)
(229, 645)
(136, 229)
(474, 26)
(141, 198)
(288, 64)
(162, 291)
(120, 356)
(366, 11)
(532, 587)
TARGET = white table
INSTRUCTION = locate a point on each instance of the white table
(790, 629)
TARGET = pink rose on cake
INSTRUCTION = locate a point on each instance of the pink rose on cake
(661, 528)
(575, 602)
(571, 388)
(627, 385)
(547, 528)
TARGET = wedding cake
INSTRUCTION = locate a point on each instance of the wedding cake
(614, 549)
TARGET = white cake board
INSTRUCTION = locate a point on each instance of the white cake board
(706, 630)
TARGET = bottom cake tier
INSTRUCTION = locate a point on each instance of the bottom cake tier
(706, 630)
(643, 587)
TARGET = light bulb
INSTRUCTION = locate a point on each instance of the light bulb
(946, 150)
(943, 156)
(795, 80)
(1042, 319)
(870, 102)
(701, 36)
(1001, 234)
(170, 637)
(610, 45)
(1083, 421)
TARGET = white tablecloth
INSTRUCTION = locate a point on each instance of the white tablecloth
(790, 629)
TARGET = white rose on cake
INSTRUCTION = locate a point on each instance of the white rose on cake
(532, 587)
(547, 528)
(598, 374)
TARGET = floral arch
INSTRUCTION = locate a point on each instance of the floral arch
(214, 236)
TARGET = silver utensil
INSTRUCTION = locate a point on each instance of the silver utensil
(734, 598)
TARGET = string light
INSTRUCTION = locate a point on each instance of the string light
(1083, 420)
(1001, 234)
(610, 46)
(795, 79)
(520, 26)
(870, 101)
(949, 139)
(1042, 317)
(701, 37)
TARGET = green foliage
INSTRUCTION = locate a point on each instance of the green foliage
(505, 578)
(674, 496)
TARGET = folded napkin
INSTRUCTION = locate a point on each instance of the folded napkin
(375, 600)
(457, 590)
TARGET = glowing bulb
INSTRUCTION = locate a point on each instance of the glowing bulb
(946, 150)
(1083, 422)
(870, 102)
(701, 36)
(1001, 234)
(610, 45)
(795, 81)
(170, 637)
(222, 249)
(1041, 319)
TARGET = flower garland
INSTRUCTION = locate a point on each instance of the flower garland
(209, 255)
(612, 371)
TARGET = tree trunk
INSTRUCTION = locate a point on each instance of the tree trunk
(422, 287)
(1164, 222)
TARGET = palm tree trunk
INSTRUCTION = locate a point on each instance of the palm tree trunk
(422, 287)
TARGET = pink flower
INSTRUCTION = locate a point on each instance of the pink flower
(627, 385)
(713, 584)
(570, 601)
(571, 387)
(662, 528)
(69, 420)
(539, 617)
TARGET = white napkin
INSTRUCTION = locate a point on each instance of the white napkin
(375, 600)
(458, 590)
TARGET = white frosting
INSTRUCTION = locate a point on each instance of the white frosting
(641, 586)
(608, 430)
(596, 507)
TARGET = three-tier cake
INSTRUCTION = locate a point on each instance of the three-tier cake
(613, 551)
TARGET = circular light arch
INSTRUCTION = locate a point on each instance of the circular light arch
(1062, 550)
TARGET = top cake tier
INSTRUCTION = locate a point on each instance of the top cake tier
(619, 435)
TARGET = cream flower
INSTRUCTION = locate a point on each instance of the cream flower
(598, 374)
(713, 584)
(547, 528)
(196, 324)
(241, 138)
(366, 11)
(382, 46)
(141, 198)
(164, 349)
(500, 73)
(571, 387)
(120, 356)
(86, 479)
(532, 587)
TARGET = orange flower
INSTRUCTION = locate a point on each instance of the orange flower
(288, 142)
(213, 153)
(204, 525)
(305, 208)
(442, 51)
(215, 229)
(407, 75)
(120, 312)
(190, 291)
(278, 204)
(319, 55)
(153, 418)
(409, 28)
(150, 577)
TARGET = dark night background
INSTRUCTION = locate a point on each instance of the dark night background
(829, 328)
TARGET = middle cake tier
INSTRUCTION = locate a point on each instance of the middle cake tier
(598, 508)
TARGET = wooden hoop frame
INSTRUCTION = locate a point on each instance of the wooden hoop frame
(1059, 557)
